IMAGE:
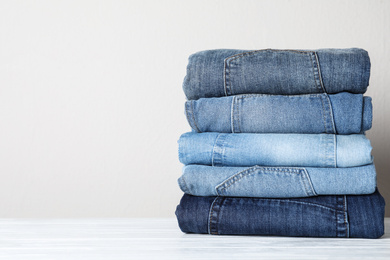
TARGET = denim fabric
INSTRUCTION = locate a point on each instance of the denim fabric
(342, 113)
(360, 216)
(217, 73)
(312, 150)
(276, 182)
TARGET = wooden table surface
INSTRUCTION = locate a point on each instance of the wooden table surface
(162, 239)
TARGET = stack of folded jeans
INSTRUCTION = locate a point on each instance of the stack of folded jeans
(278, 145)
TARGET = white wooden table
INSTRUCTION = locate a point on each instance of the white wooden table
(161, 239)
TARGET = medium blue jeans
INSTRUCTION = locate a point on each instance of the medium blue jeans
(311, 150)
(217, 73)
(342, 113)
(360, 216)
(276, 182)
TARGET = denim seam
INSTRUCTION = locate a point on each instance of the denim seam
(329, 150)
(308, 185)
(219, 150)
(327, 114)
(316, 95)
(319, 72)
(213, 222)
(224, 77)
(298, 202)
(313, 65)
(211, 214)
(323, 114)
(238, 100)
(220, 212)
(346, 215)
(303, 184)
(215, 143)
(248, 172)
(232, 114)
(191, 122)
(235, 115)
(335, 151)
(341, 225)
(331, 113)
(228, 60)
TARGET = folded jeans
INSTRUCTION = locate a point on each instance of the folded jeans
(276, 182)
(342, 113)
(217, 73)
(246, 149)
(355, 216)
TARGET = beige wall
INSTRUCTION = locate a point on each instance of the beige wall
(91, 104)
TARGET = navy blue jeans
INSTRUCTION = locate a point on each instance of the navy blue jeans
(358, 216)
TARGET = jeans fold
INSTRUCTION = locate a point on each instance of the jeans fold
(355, 216)
(342, 113)
(217, 73)
(247, 149)
(277, 182)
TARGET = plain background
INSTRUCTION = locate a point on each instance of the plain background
(91, 100)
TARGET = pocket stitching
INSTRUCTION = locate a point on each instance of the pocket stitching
(248, 172)
(228, 61)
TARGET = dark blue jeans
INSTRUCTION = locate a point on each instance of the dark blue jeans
(358, 216)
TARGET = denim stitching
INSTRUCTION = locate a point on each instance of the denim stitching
(298, 202)
(319, 72)
(250, 171)
(335, 151)
(211, 215)
(235, 116)
(224, 77)
(303, 185)
(215, 144)
(219, 149)
(313, 69)
(238, 113)
(248, 53)
(331, 113)
(329, 153)
(221, 207)
(232, 113)
(308, 183)
(228, 60)
(323, 113)
(287, 96)
(341, 225)
(346, 216)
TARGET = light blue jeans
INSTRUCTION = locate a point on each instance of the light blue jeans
(342, 113)
(276, 182)
(307, 150)
(217, 73)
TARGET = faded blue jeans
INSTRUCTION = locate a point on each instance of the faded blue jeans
(217, 73)
(342, 113)
(360, 216)
(276, 182)
(244, 149)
